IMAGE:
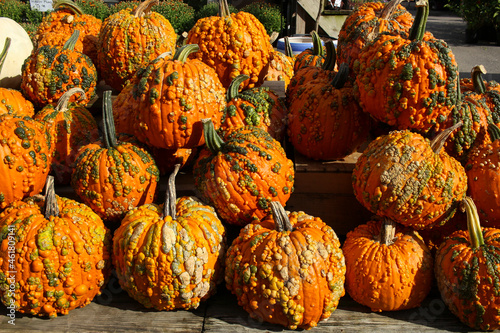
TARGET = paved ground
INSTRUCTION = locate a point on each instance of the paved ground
(451, 28)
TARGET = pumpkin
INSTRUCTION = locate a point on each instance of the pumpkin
(388, 267)
(409, 179)
(170, 256)
(62, 254)
(287, 269)
(467, 272)
(233, 44)
(71, 126)
(25, 147)
(13, 102)
(327, 123)
(366, 22)
(313, 56)
(305, 75)
(15, 47)
(259, 106)
(242, 174)
(482, 168)
(113, 176)
(130, 39)
(50, 71)
(408, 83)
(58, 26)
(169, 99)
(279, 66)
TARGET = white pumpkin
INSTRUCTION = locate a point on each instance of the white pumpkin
(20, 49)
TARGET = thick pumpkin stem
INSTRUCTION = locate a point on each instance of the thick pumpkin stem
(341, 77)
(417, 30)
(224, 9)
(288, 47)
(144, 8)
(62, 103)
(317, 45)
(234, 88)
(439, 140)
(387, 232)
(169, 207)
(108, 121)
(473, 224)
(71, 42)
(331, 56)
(50, 207)
(477, 79)
(281, 220)
(68, 4)
(389, 9)
(3, 55)
(182, 53)
(494, 132)
(212, 140)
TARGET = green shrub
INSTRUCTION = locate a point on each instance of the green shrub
(14, 9)
(97, 8)
(268, 14)
(179, 14)
(196, 4)
(124, 5)
(212, 9)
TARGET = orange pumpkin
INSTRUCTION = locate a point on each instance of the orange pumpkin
(13, 102)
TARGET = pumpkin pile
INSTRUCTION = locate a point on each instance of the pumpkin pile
(201, 107)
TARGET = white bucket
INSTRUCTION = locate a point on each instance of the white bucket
(298, 44)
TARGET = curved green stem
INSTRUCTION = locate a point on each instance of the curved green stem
(224, 9)
(71, 42)
(438, 142)
(234, 87)
(182, 53)
(281, 220)
(3, 55)
(417, 30)
(473, 224)
(317, 45)
(108, 121)
(288, 47)
(144, 8)
(212, 140)
(331, 56)
(477, 79)
(169, 208)
(62, 103)
(68, 4)
(341, 77)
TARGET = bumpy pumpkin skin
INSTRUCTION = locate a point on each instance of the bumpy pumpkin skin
(312, 57)
(50, 71)
(467, 272)
(129, 40)
(408, 83)
(387, 277)
(168, 100)
(366, 21)
(241, 179)
(279, 68)
(71, 126)
(62, 262)
(400, 177)
(170, 264)
(242, 46)
(292, 278)
(13, 102)
(26, 151)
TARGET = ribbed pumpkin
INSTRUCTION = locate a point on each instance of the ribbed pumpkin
(233, 44)
(71, 126)
(170, 256)
(58, 25)
(408, 83)
(287, 269)
(62, 255)
(327, 123)
(130, 39)
(311, 57)
(113, 176)
(388, 267)
(169, 99)
(259, 106)
(467, 272)
(241, 175)
(26, 151)
(13, 102)
(483, 173)
(366, 22)
(409, 179)
(50, 71)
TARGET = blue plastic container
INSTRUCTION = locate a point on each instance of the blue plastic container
(298, 44)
